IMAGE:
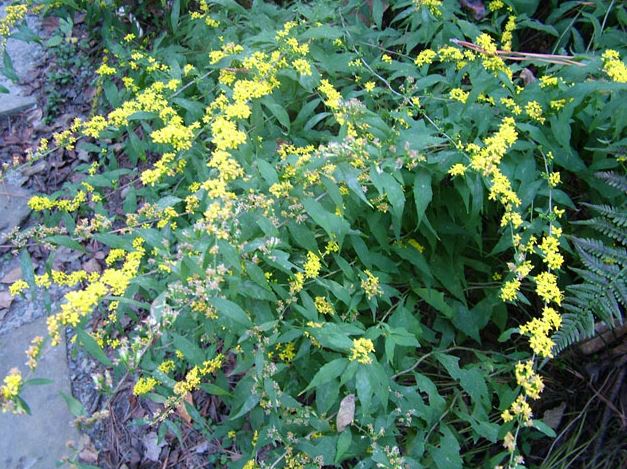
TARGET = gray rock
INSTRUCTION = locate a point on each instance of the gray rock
(37, 440)
(12, 104)
(13, 207)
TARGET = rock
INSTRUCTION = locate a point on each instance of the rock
(12, 104)
(5, 301)
(12, 276)
(38, 440)
(31, 170)
(13, 207)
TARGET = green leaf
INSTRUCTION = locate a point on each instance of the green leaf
(422, 192)
(446, 455)
(327, 372)
(74, 405)
(278, 112)
(26, 264)
(191, 351)
(363, 385)
(66, 241)
(231, 311)
(343, 443)
(92, 347)
(544, 428)
(435, 299)
(38, 381)
(8, 70)
(335, 226)
(175, 14)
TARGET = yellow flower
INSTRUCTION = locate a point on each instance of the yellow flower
(534, 111)
(144, 385)
(361, 349)
(547, 289)
(614, 67)
(12, 385)
(369, 86)
(370, 285)
(312, 265)
(386, 58)
(510, 289)
(425, 57)
(457, 169)
(18, 287)
(459, 95)
(528, 379)
(323, 306)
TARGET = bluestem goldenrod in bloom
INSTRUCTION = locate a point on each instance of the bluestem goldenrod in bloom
(434, 6)
(547, 289)
(33, 352)
(509, 291)
(361, 349)
(18, 287)
(323, 306)
(333, 97)
(425, 57)
(370, 285)
(506, 38)
(528, 379)
(458, 94)
(613, 66)
(144, 386)
(10, 389)
(312, 265)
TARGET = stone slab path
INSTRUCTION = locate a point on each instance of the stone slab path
(40, 440)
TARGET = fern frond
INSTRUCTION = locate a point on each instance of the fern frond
(612, 179)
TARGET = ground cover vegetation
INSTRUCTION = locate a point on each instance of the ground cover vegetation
(353, 224)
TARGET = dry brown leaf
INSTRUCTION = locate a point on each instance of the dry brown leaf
(182, 411)
(346, 414)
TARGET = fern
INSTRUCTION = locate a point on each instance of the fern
(602, 293)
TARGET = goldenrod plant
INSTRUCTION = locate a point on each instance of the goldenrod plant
(331, 199)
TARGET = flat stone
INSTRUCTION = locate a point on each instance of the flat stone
(11, 104)
(39, 440)
(13, 207)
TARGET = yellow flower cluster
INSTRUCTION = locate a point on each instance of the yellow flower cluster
(176, 134)
(539, 329)
(528, 379)
(333, 97)
(162, 168)
(370, 285)
(10, 389)
(434, 6)
(80, 303)
(287, 352)
(519, 408)
(534, 111)
(39, 203)
(506, 38)
(510, 290)
(547, 289)
(614, 67)
(144, 386)
(18, 287)
(13, 14)
(194, 376)
(459, 95)
(297, 283)
(425, 57)
(34, 351)
(323, 306)
(550, 250)
(491, 61)
(106, 70)
(361, 349)
(312, 265)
